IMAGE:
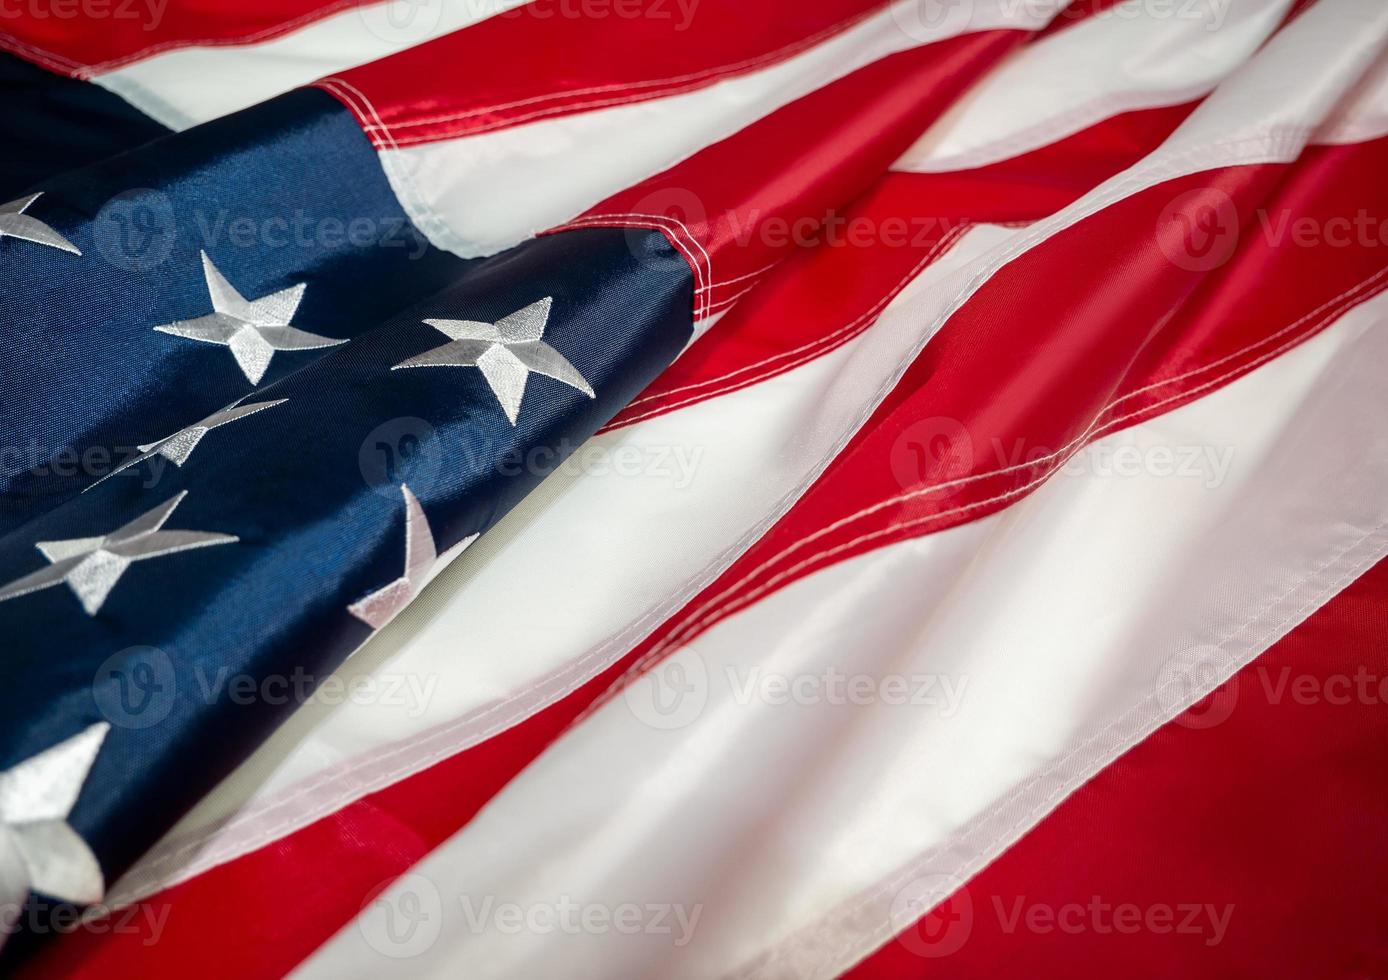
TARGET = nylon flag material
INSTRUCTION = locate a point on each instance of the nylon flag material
(694, 488)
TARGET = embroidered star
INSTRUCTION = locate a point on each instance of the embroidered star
(179, 446)
(253, 329)
(422, 563)
(14, 223)
(91, 567)
(506, 352)
(39, 850)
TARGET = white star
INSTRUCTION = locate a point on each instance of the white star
(39, 850)
(506, 352)
(253, 329)
(91, 567)
(422, 563)
(14, 223)
(179, 446)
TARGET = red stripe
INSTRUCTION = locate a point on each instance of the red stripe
(822, 297)
(810, 157)
(101, 37)
(1041, 360)
(535, 62)
(234, 919)
(1269, 800)
(831, 145)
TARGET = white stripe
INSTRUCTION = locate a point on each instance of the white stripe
(187, 86)
(1053, 632)
(612, 556)
(1132, 56)
(1363, 115)
(480, 194)
(561, 588)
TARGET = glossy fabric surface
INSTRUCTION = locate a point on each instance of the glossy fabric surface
(286, 195)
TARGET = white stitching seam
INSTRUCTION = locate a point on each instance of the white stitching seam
(668, 225)
(1229, 663)
(717, 608)
(673, 84)
(506, 713)
(79, 70)
(837, 337)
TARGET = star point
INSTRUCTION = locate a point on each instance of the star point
(91, 567)
(253, 330)
(39, 850)
(14, 223)
(179, 446)
(506, 352)
(422, 564)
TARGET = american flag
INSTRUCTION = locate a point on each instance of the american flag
(694, 488)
